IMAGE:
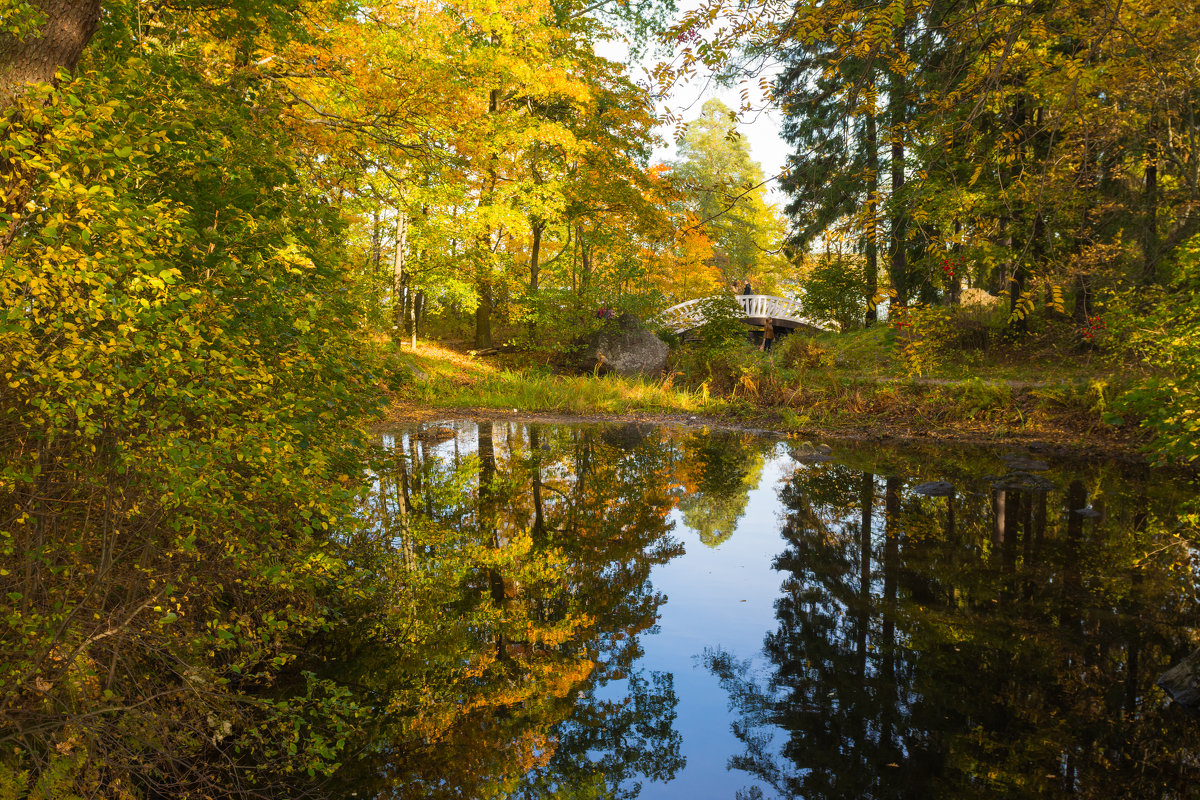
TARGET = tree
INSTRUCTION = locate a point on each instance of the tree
(725, 194)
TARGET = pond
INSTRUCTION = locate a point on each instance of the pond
(655, 612)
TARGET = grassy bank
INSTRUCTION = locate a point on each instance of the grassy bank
(852, 384)
(446, 378)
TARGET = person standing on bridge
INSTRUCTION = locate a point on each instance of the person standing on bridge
(737, 286)
(747, 290)
(768, 334)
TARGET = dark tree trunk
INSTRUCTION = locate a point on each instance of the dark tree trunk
(1150, 239)
(899, 262)
(535, 250)
(898, 117)
(891, 581)
(69, 27)
(872, 271)
(956, 266)
(418, 315)
(483, 315)
(867, 498)
(376, 242)
(497, 586)
(398, 278)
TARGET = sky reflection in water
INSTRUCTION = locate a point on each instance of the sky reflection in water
(997, 643)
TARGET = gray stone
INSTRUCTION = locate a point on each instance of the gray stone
(1025, 464)
(626, 348)
(624, 437)
(1182, 682)
(935, 489)
(809, 453)
(437, 434)
(1023, 482)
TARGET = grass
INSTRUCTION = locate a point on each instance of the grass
(847, 382)
(456, 380)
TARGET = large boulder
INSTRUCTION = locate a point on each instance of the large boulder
(1182, 682)
(625, 347)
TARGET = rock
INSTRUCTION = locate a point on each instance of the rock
(1024, 464)
(809, 453)
(1022, 482)
(935, 489)
(623, 437)
(627, 348)
(1087, 512)
(437, 434)
(1182, 682)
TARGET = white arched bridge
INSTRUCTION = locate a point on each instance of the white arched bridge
(755, 310)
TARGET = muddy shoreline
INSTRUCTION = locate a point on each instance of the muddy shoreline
(1058, 444)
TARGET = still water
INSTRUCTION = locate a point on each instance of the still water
(638, 611)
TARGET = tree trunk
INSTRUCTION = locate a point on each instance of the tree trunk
(585, 265)
(412, 316)
(376, 243)
(956, 266)
(398, 277)
(872, 271)
(1150, 243)
(535, 250)
(483, 315)
(59, 43)
(418, 315)
(897, 118)
(1016, 283)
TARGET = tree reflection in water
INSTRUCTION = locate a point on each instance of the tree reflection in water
(515, 574)
(718, 471)
(1000, 642)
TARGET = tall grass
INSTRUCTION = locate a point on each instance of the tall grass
(532, 390)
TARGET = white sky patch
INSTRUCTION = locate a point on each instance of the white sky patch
(760, 128)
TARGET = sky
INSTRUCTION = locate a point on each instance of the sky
(761, 130)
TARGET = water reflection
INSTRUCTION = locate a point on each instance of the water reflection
(997, 637)
(985, 643)
(526, 555)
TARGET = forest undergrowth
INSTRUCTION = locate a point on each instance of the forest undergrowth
(835, 384)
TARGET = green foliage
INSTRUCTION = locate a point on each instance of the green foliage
(921, 332)
(799, 351)
(978, 396)
(183, 375)
(724, 192)
(1162, 328)
(835, 289)
(726, 469)
(723, 328)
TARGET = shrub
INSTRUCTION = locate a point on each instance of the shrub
(723, 328)
(1163, 329)
(836, 290)
(798, 351)
(921, 335)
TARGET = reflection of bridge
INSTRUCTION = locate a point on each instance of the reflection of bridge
(755, 309)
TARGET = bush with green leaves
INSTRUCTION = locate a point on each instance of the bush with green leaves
(836, 290)
(1162, 328)
(799, 351)
(184, 378)
(723, 328)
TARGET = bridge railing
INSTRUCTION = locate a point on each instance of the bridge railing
(688, 315)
